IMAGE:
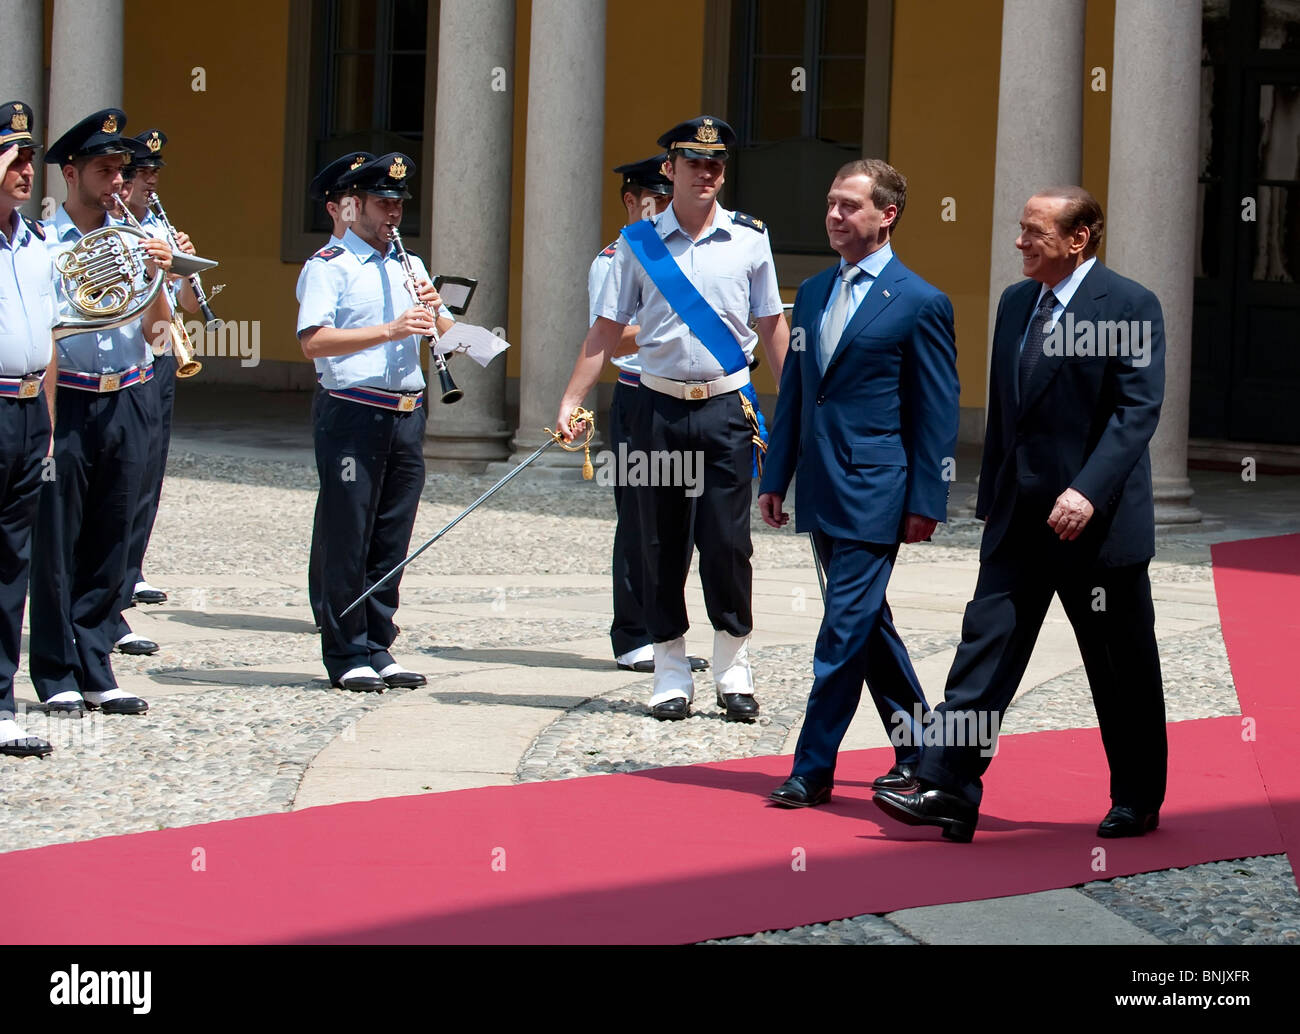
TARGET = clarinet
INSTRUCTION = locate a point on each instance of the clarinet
(196, 285)
(450, 393)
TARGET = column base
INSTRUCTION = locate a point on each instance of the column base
(1173, 503)
(470, 451)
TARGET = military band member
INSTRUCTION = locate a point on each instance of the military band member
(101, 451)
(26, 316)
(691, 278)
(355, 324)
(140, 179)
(646, 192)
(326, 186)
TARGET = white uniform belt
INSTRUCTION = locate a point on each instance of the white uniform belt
(694, 390)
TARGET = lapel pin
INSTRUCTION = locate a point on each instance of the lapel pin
(886, 292)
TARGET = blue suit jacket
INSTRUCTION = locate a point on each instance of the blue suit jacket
(1084, 422)
(869, 438)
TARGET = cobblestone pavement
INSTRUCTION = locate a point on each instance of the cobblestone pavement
(231, 548)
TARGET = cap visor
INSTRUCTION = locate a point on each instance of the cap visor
(695, 152)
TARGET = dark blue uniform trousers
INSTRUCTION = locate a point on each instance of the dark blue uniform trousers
(163, 385)
(24, 438)
(716, 520)
(857, 642)
(371, 467)
(1114, 623)
(628, 631)
(81, 543)
(313, 561)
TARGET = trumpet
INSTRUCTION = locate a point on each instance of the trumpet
(105, 281)
(182, 346)
(196, 284)
(450, 393)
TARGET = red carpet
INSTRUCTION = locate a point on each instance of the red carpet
(685, 854)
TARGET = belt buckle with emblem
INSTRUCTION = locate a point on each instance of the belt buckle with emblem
(110, 381)
(698, 391)
(29, 388)
(406, 404)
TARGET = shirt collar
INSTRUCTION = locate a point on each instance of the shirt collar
(874, 264)
(1064, 291)
(65, 228)
(18, 230)
(666, 223)
(363, 251)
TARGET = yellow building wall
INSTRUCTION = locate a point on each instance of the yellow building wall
(223, 183)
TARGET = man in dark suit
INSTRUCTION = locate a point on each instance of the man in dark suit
(1075, 389)
(867, 413)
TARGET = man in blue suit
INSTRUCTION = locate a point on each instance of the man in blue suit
(867, 417)
(1075, 388)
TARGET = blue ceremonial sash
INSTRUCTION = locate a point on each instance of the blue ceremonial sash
(703, 321)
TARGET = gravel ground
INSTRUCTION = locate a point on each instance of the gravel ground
(230, 751)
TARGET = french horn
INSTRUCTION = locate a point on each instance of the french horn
(105, 281)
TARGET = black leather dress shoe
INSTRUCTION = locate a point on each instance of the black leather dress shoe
(739, 706)
(404, 680)
(138, 647)
(1127, 822)
(955, 816)
(71, 708)
(647, 667)
(120, 705)
(797, 792)
(149, 596)
(901, 778)
(27, 747)
(362, 684)
(673, 710)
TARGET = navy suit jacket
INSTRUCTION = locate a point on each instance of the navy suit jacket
(870, 437)
(1085, 422)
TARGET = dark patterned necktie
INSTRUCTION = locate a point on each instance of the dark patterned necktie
(1033, 350)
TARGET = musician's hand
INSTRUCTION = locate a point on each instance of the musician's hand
(1070, 514)
(417, 321)
(183, 242)
(769, 508)
(917, 528)
(160, 255)
(428, 294)
(562, 421)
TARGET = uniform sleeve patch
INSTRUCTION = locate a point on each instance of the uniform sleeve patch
(750, 221)
(329, 253)
(610, 249)
(35, 227)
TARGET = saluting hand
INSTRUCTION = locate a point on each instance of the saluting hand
(418, 321)
(1070, 515)
(7, 158)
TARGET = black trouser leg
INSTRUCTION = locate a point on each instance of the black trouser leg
(1114, 623)
(313, 562)
(24, 438)
(163, 387)
(628, 631)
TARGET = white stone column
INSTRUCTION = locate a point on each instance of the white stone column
(471, 214)
(1040, 124)
(566, 130)
(85, 67)
(1151, 225)
(22, 75)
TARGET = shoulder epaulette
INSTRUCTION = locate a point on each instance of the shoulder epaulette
(329, 253)
(750, 221)
(609, 251)
(35, 227)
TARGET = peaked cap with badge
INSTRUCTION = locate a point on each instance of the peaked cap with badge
(329, 180)
(703, 137)
(647, 174)
(100, 133)
(16, 125)
(149, 154)
(385, 176)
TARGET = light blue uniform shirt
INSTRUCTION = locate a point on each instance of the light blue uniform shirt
(595, 281)
(353, 287)
(1064, 291)
(872, 266)
(105, 351)
(26, 301)
(730, 265)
